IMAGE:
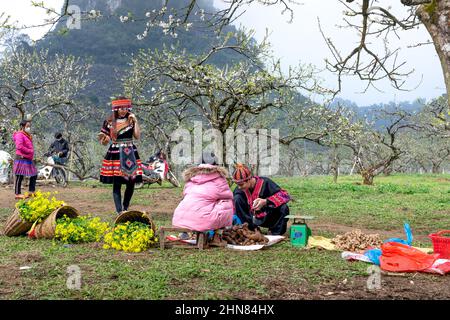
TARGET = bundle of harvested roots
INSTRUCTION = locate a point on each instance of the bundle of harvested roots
(356, 241)
(241, 235)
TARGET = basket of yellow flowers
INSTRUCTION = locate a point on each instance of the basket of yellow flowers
(15, 225)
(82, 229)
(134, 231)
(46, 229)
(31, 211)
(139, 216)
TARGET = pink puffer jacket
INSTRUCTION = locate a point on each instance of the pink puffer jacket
(207, 202)
(24, 145)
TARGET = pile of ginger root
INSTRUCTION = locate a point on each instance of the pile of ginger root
(243, 236)
(356, 241)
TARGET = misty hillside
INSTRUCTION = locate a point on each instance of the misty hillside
(110, 43)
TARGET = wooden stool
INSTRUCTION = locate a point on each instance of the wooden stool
(201, 239)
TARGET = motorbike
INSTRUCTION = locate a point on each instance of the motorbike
(44, 172)
(6, 165)
(157, 170)
(48, 171)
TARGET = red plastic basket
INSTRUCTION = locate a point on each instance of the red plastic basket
(441, 244)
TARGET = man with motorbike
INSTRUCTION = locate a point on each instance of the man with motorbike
(59, 151)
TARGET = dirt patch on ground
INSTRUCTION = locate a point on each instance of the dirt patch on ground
(399, 286)
(161, 202)
(406, 286)
(29, 256)
(410, 286)
(9, 279)
(75, 196)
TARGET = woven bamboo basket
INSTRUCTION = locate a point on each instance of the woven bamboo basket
(140, 216)
(46, 229)
(15, 226)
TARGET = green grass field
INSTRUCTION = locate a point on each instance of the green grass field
(423, 200)
(280, 272)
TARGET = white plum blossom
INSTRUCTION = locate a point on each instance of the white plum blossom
(123, 19)
(163, 25)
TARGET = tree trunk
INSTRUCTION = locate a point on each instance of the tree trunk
(436, 168)
(335, 176)
(435, 18)
(335, 165)
(367, 177)
(291, 167)
(387, 171)
(224, 150)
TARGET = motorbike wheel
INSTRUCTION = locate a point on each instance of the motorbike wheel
(60, 177)
(138, 185)
(172, 179)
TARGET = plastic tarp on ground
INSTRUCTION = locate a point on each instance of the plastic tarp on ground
(398, 257)
(320, 242)
(439, 266)
(272, 240)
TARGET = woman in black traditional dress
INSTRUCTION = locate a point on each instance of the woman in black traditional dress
(121, 164)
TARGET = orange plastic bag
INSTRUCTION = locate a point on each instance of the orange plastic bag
(397, 257)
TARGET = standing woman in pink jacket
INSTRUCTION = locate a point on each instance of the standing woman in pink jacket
(23, 163)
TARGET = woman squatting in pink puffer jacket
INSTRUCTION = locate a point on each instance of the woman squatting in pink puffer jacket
(208, 201)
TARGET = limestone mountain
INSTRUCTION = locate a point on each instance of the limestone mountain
(109, 43)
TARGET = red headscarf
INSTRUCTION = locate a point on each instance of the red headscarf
(241, 173)
(116, 105)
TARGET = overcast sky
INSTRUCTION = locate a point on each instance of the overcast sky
(301, 41)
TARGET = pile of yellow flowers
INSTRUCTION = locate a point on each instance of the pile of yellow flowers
(80, 229)
(38, 207)
(130, 237)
